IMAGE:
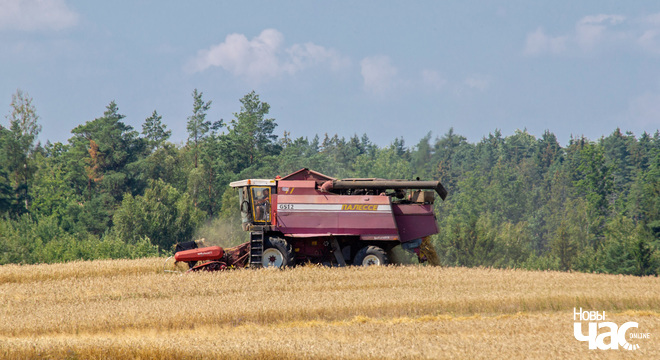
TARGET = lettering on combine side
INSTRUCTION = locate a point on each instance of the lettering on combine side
(359, 207)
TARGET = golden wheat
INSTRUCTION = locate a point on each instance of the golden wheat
(130, 309)
(78, 269)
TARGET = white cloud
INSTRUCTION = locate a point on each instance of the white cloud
(309, 54)
(478, 82)
(538, 42)
(650, 31)
(433, 79)
(653, 19)
(243, 57)
(590, 32)
(34, 15)
(649, 41)
(378, 73)
(264, 56)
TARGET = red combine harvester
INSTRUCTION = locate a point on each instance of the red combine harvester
(310, 217)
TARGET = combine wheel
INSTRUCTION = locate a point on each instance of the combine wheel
(277, 253)
(371, 255)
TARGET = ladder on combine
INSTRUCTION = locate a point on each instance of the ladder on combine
(256, 248)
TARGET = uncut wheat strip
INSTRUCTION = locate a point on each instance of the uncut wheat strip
(117, 267)
(160, 313)
(419, 278)
(332, 279)
(149, 293)
(522, 336)
(143, 301)
(12, 273)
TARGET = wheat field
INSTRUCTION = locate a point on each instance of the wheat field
(130, 309)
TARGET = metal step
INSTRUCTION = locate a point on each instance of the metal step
(256, 248)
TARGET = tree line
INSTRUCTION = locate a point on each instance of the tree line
(112, 191)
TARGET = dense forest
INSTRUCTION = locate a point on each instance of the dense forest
(113, 191)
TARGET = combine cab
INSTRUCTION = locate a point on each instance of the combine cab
(310, 217)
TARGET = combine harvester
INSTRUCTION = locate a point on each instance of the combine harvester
(310, 217)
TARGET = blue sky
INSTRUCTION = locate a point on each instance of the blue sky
(384, 68)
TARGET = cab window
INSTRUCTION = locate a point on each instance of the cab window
(261, 203)
(244, 201)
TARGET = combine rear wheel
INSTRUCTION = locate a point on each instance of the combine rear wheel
(371, 255)
(277, 253)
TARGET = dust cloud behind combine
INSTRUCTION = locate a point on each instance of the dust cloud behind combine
(223, 232)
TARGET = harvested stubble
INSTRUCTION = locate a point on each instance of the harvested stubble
(129, 309)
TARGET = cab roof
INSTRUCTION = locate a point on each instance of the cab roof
(302, 174)
(254, 182)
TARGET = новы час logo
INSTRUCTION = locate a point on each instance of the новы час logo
(616, 335)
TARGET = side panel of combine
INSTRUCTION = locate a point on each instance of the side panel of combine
(415, 221)
(369, 217)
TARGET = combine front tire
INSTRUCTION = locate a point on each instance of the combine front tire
(371, 255)
(277, 253)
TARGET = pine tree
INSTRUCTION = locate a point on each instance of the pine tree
(21, 144)
(250, 134)
(198, 127)
(154, 131)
